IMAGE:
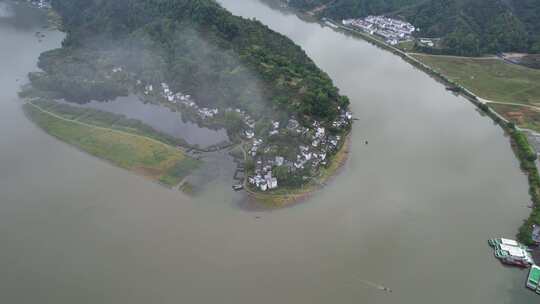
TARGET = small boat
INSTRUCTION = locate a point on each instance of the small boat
(238, 187)
(453, 89)
(513, 256)
(511, 252)
(496, 243)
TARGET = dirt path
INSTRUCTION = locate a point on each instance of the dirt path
(101, 128)
(458, 57)
(320, 8)
(411, 57)
(515, 104)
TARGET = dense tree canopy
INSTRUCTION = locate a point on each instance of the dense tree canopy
(468, 27)
(194, 45)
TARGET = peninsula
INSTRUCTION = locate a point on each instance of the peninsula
(216, 69)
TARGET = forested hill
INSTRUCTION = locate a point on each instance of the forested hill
(196, 46)
(342, 9)
(468, 27)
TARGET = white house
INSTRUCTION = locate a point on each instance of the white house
(249, 134)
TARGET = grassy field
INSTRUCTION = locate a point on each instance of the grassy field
(524, 117)
(491, 79)
(406, 46)
(142, 155)
(501, 82)
(106, 119)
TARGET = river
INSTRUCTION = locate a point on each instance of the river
(410, 211)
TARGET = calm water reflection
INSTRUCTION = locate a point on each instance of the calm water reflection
(161, 119)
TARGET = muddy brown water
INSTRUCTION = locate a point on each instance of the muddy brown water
(411, 211)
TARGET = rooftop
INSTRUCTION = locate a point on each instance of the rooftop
(534, 274)
(509, 242)
(513, 251)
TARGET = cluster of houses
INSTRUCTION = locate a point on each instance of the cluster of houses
(312, 145)
(312, 151)
(391, 30)
(264, 180)
(180, 98)
(43, 4)
(187, 101)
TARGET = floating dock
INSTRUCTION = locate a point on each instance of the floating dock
(511, 252)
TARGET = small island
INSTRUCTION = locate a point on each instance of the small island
(284, 118)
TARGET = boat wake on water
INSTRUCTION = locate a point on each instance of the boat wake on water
(376, 286)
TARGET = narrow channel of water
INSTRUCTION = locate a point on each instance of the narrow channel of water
(411, 211)
(162, 119)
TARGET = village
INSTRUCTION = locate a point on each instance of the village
(393, 31)
(312, 148)
(307, 148)
(181, 99)
(42, 4)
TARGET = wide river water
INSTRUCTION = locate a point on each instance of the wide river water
(411, 211)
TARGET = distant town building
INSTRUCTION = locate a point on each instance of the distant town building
(427, 42)
(391, 30)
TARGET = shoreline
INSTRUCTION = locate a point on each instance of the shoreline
(411, 60)
(125, 84)
(520, 147)
(145, 171)
(265, 200)
(269, 201)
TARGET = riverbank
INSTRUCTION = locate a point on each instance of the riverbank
(107, 224)
(412, 60)
(490, 78)
(279, 82)
(144, 155)
(286, 197)
(510, 90)
(521, 146)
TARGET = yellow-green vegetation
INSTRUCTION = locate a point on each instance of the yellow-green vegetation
(511, 90)
(406, 46)
(105, 119)
(187, 188)
(146, 156)
(522, 116)
(489, 78)
(55, 21)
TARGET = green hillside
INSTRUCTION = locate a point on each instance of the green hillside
(195, 46)
(468, 27)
